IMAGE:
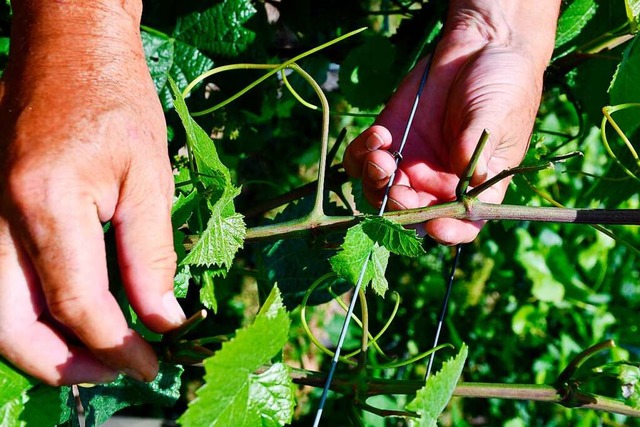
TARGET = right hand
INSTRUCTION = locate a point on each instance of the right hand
(486, 73)
(82, 142)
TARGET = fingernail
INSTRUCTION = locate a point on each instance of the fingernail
(132, 373)
(396, 206)
(375, 172)
(172, 309)
(373, 142)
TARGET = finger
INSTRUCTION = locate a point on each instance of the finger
(66, 246)
(374, 138)
(378, 167)
(27, 342)
(449, 231)
(145, 252)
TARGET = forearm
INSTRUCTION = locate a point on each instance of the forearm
(73, 42)
(524, 24)
(56, 36)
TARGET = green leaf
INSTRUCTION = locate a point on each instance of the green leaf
(183, 207)
(211, 171)
(24, 402)
(181, 281)
(222, 238)
(168, 57)
(232, 394)
(13, 393)
(632, 7)
(393, 236)
(369, 66)
(431, 399)
(219, 29)
(625, 88)
(272, 394)
(48, 406)
(356, 249)
(574, 19)
(207, 291)
(102, 401)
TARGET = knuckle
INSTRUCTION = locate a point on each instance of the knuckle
(73, 311)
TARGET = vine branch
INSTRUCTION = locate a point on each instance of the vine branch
(532, 392)
(467, 209)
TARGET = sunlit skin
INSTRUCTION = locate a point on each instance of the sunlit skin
(486, 74)
(83, 141)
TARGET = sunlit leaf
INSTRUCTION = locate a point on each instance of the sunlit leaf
(573, 20)
(169, 57)
(354, 253)
(233, 395)
(24, 402)
(433, 398)
(393, 236)
(221, 239)
(632, 8)
(211, 171)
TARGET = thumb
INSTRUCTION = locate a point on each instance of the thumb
(146, 256)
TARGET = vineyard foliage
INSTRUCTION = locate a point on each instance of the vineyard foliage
(528, 296)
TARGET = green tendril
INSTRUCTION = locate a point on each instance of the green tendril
(607, 111)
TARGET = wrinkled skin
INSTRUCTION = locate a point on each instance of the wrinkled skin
(83, 142)
(482, 77)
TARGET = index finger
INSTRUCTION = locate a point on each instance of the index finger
(374, 138)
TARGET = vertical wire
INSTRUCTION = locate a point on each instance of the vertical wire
(356, 291)
(443, 309)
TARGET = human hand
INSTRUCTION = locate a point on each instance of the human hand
(82, 142)
(483, 75)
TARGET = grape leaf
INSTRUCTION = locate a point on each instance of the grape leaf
(632, 8)
(212, 172)
(207, 291)
(219, 29)
(181, 281)
(4, 45)
(368, 66)
(169, 57)
(272, 394)
(356, 249)
(183, 207)
(232, 394)
(24, 402)
(431, 399)
(393, 236)
(573, 20)
(222, 238)
(13, 393)
(624, 88)
(102, 401)
(225, 230)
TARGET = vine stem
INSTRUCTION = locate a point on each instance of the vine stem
(468, 209)
(530, 392)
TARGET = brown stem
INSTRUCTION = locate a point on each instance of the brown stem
(467, 209)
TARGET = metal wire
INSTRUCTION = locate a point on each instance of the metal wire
(385, 199)
(443, 309)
